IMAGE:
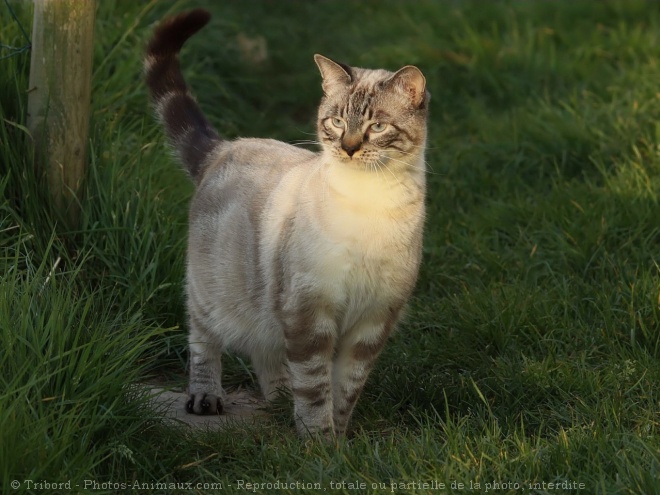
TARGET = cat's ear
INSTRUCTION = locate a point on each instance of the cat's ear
(411, 82)
(334, 74)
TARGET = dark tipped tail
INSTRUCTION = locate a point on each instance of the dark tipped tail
(187, 129)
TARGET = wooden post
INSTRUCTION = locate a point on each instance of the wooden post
(59, 98)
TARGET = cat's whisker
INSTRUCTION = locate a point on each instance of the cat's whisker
(384, 165)
(412, 165)
(376, 167)
(304, 144)
(429, 168)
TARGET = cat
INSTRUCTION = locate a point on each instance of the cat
(303, 261)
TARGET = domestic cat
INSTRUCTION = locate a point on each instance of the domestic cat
(301, 261)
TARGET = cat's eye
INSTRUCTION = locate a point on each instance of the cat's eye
(338, 123)
(378, 127)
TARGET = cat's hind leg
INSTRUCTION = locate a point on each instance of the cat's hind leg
(204, 387)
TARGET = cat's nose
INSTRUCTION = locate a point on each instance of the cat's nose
(350, 147)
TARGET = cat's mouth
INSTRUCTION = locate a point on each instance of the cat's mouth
(358, 159)
(368, 160)
(359, 162)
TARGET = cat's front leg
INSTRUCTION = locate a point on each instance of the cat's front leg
(356, 354)
(204, 387)
(310, 337)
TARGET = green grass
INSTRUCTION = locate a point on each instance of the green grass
(530, 353)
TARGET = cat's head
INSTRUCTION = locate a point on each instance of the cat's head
(372, 118)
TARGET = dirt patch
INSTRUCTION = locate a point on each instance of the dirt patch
(241, 405)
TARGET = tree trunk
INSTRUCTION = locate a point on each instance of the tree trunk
(59, 98)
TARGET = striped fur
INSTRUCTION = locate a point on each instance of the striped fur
(190, 133)
(301, 261)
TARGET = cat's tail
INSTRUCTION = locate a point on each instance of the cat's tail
(187, 129)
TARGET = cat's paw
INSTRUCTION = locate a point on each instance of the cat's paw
(204, 404)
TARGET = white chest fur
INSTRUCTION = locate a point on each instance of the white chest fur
(352, 236)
